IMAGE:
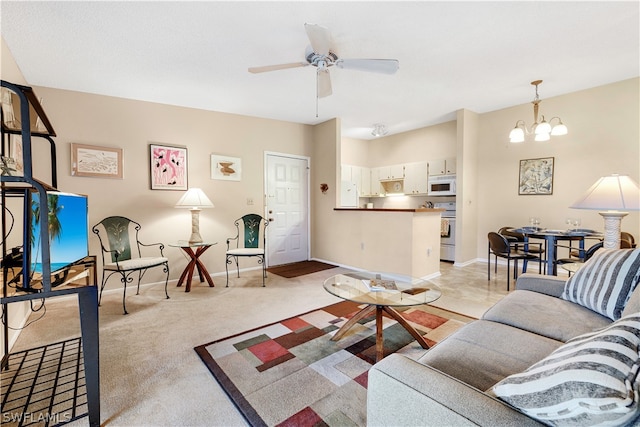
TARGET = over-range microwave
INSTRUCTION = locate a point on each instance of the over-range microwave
(443, 185)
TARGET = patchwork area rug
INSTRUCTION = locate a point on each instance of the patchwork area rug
(297, 269)
(289, 373)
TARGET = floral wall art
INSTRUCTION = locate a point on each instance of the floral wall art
(536, 176)
(168, 167)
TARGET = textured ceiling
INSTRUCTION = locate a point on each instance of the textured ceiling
(475, 55)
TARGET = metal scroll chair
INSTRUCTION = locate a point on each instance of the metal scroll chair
(122, 253)
(501, 247)
(251, 230)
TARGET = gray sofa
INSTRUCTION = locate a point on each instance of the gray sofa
(451, 384)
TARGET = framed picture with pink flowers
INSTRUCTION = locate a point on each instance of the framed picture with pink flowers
(168, 167)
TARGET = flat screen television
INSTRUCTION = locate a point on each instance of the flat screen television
(68, 230)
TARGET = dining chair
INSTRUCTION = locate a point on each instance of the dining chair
(584, 256)
(501, 247)
(514, 236)
(122, 254)
(250, 241)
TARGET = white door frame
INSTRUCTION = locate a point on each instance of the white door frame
(308, 198)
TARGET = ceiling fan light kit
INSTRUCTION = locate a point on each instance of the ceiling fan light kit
(542, 130)
(379, 130)
(320, 55)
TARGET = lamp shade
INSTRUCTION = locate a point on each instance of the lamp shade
(613, 192)
(194, 198)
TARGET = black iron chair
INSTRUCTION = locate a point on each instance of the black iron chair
(122, 253)
(251, 230)
(501, 247)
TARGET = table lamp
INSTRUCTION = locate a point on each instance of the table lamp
(613, 195)
(194, 199)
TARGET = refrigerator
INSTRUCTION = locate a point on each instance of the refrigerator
(348, 195)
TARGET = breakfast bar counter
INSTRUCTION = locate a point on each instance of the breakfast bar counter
(403, 241)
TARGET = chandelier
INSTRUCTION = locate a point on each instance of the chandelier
(379, 130)
(543, 129)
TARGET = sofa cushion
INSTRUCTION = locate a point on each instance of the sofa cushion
(591, 379)
(605, 282)
(633, 305)
(544, 315)
(482, 353)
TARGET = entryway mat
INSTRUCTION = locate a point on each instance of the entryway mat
(297, 269)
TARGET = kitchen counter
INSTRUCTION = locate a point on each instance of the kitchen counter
(391, 210)
(404, 241)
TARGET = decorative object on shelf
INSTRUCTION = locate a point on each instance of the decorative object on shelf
(542, 130)
(226, 168)
(379, 130)
(168, 167)
(324, 188)
(536, 176)
(613, 195)
(195, 199)
(94, 161)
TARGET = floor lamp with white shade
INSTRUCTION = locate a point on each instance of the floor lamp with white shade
(613, 196)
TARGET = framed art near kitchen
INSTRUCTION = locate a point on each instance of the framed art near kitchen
(536, 176)
(95, 161)
(168, 167)
(226, 167)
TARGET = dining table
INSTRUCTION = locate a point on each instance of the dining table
(551, 238)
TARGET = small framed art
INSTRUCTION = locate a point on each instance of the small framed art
(536, 176)
(168, 167)
(226, 167)
(95, 161)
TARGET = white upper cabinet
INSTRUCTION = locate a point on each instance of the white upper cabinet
(391, 172)
(442, 166)
(415, 178)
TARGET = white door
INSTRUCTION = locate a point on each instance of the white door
(287, 205)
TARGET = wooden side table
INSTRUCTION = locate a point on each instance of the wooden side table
(194, 262)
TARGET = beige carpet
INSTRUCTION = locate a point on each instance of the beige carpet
(150, 375)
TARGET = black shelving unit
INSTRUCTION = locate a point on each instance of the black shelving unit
(27, 389)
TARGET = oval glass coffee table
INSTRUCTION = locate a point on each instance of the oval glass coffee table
(381, 292)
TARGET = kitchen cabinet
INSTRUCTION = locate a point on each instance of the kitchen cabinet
(391, 172)
(442, 166)
(365, 182)
(376, 188)
(415, 178)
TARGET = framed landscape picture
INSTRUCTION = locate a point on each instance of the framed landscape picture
(97, 162)
(168, 167)
(536, 176)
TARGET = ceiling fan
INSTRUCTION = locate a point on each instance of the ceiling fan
(321, 56)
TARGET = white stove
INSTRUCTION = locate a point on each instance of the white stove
(447, 231)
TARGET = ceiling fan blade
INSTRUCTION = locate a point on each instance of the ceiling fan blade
(266, 68)
(386, 66)
(319, 37)
(324, 83)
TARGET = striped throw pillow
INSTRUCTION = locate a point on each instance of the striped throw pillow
(605, 282)
(591, 380)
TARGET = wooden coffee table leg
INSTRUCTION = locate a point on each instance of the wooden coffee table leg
(379, 337)
(355, 319)
(401, 320)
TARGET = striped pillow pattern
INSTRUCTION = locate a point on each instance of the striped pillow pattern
(605, 282)
(591, 380)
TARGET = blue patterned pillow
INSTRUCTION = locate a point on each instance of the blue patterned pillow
(605, 282)
(591, 380)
